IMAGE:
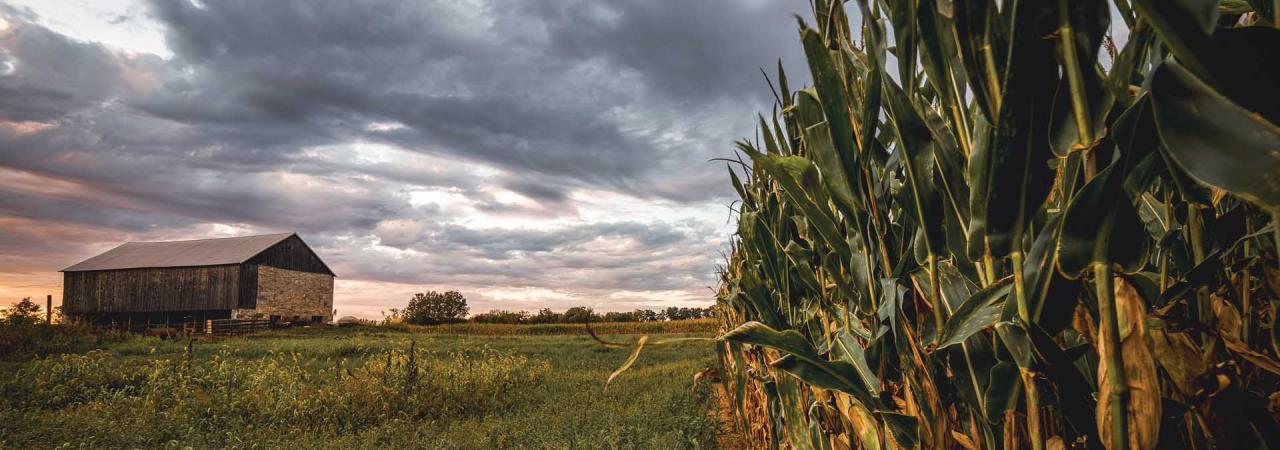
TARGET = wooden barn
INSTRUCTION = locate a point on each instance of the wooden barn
(275, 276)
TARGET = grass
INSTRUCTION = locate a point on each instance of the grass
(360, 387)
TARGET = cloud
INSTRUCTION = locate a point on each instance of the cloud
(551, 144)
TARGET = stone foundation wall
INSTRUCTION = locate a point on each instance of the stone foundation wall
(290, 294)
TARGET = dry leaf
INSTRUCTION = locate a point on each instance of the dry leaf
(1083, 324)
(1139, 369)
(963, 440)
(1179, 356)
(1218, 194)
(1273, 277)
(1259, 359)
(1228, 317)
(1055, 443)
(1229, 326)
(1012, 432)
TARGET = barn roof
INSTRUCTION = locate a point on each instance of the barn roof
(201, 252)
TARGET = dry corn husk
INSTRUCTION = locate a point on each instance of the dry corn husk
(1229, 326)
(1139, 369)
(1180, 357)
(1229, 322)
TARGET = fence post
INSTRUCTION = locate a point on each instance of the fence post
(48, 309)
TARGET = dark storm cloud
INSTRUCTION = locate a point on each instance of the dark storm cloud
(545, 86)
(258, 118)
(52, 75)
(647, 259)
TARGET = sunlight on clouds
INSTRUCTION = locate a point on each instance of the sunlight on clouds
(231, 230)
(123, 24)
(444, 198)
(17, 181)
(384, 126)
(26, 127)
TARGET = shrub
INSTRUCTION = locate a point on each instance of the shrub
(27, 340)
(24, 312)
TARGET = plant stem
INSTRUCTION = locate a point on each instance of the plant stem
(1075, 78)
(935, 294)
(1246, 314)
(1168, 220)
(1109, 326)
(1195, 225)
(1018, 289)
(989, 266)
(1028, 378)
(1275, 216)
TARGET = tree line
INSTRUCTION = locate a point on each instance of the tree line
(433, 308)
(580, 314)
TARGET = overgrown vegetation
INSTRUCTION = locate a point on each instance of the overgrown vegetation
(358, 387)
(986, 226)
(24, 334)
(504, 329)
(580, 314)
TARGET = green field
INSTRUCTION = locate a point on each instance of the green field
(360, 388)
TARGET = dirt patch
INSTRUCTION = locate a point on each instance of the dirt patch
(730, 437)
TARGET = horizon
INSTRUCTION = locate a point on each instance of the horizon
(550, 155)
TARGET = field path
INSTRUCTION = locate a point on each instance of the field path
(730, 437)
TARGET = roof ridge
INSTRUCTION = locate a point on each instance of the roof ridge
(211, 239)
(189, 253)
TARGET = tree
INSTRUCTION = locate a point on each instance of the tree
(546, 315)
(25, 312)
(619, 317)
(578, 314)
(435, 308)
(645, 315)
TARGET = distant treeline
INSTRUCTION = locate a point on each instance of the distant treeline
(435, 308)
(580, 314)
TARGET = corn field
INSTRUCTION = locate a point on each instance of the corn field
(988, 225)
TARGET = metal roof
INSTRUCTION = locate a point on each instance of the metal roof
(202, 252)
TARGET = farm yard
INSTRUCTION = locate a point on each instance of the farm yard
(365, 387)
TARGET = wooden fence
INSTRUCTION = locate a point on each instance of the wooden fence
(228, 327)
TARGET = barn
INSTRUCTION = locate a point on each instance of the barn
(274, 276)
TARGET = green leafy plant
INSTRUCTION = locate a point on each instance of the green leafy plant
(985, 226)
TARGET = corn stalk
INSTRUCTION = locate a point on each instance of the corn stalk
(928, 256)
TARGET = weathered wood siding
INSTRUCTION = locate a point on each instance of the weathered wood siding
(248, 286)
(291, 254)
(146, 290)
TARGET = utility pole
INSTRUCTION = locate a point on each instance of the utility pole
(48, 309)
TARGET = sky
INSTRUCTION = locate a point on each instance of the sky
(531, 154)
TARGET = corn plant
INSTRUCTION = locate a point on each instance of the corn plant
(986, 226)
